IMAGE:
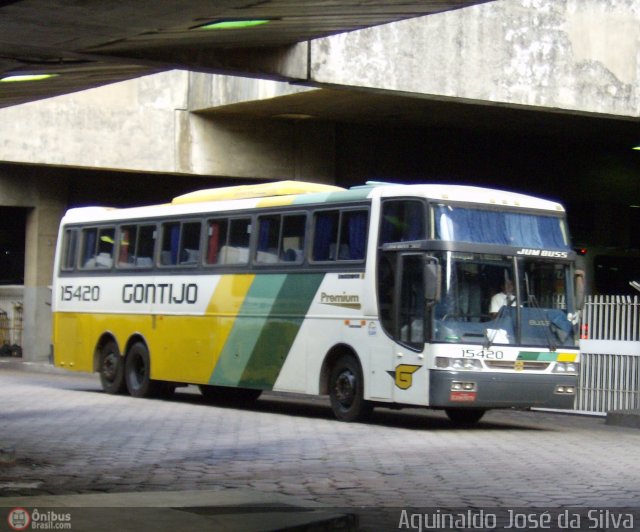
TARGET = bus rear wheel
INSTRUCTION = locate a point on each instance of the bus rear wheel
(346, 390)
(111, 368)
(465, 416)
(137, 373)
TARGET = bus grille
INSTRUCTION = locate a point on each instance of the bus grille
(518, 365)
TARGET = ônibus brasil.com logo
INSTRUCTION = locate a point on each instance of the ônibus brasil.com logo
(19, 519)
(22, 519)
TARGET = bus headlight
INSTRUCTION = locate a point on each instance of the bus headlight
(457, 386)
(565, 390)
(566, 367)
(458, 364)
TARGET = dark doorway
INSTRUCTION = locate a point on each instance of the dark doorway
(12, 242)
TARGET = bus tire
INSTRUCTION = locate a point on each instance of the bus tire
(346, 390)
(137, 373)
(111, 368)
(465, 416)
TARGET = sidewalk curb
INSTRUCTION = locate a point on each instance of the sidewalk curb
(17, 364)
(227, 509)
(624, 418)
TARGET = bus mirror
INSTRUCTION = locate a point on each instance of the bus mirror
(432, 274)
(579, 282)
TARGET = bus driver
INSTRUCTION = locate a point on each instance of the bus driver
(501, 299)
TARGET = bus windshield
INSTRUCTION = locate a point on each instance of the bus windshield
(494, 299)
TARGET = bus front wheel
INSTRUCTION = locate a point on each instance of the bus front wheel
(346, 391)
(137, 372)
(111, 368)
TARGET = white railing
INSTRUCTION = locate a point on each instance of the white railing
(610, 354)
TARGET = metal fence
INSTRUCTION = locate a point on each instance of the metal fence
(610, 354)
(11, 300)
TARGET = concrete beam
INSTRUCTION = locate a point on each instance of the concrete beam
(236, 146)
(146, 125)
(271, 62)
(573, 55)
(124, 126)
(208, 92)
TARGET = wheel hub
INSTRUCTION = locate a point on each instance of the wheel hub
(109, 366)
(345, 388)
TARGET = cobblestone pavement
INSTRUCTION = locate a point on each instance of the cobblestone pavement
(70, 437)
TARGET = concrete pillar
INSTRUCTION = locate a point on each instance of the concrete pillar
(48, 202)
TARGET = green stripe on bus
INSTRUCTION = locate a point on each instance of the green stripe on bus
(246, 330)
(264, 330)
(534, 355)
(280, 330)
(331, 197)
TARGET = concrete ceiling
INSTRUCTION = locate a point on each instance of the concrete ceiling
(93, 43)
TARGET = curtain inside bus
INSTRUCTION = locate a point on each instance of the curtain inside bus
(503, 228)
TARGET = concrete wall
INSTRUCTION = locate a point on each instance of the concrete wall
(576, 55)
(46, 200)
(147, 125)
(124, 126)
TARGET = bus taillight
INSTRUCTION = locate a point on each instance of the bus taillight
(584, 332)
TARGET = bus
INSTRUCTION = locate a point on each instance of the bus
(609, 270)
(379, 294)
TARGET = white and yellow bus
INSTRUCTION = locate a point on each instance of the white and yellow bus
(380, 294)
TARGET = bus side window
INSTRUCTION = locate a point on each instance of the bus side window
(97, 247)
(228, 241)
(69, 246)
(353, 235)
(135, 246)
(280, 238)
(325, 235)
(170, 242)
(402, 220)
(340, 235)
(180, 244)
(268, 237)
(190, 243)
(145, 246)
(216, 240)
(292, 245)
(127, 246)
(237, 249)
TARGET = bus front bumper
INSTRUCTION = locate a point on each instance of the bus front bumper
(474, 389)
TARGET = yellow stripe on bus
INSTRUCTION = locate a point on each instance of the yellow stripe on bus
(194, 344)
(182, 348)
(276, 201)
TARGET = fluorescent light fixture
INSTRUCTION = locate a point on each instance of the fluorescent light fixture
(637, 148)
(237, 24)
(15, 78)
(294, 116)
